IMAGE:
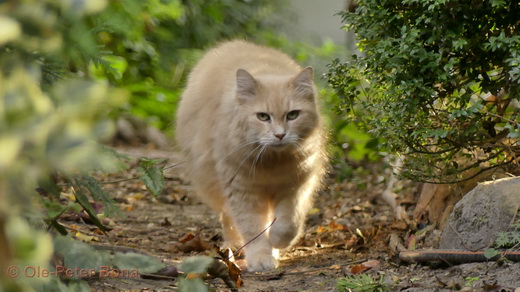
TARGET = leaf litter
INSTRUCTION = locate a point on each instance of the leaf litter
(352, 231)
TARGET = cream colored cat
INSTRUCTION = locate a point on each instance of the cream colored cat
(249, 126)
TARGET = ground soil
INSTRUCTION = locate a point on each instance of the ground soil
(349, 226)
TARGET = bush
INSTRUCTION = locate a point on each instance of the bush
(438, 81)
(50, 118)
(151, 45)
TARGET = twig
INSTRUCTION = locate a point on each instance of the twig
(311, 270)
(501, 117)
(455, 256)
(124, 179)
(253, 239)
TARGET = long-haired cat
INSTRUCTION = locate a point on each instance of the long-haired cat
(249, 126)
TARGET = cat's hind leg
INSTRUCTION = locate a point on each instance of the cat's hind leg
(232, 237)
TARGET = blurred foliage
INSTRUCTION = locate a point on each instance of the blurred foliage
(53, 108)
(51, 114)
(149, 46)
(66, 67)
(438, 81)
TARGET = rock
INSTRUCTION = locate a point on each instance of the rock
(134, 131)
(483, 212)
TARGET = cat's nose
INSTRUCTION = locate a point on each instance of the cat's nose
(280, 136)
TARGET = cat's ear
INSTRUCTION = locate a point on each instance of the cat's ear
(246, 84)
(303, 82)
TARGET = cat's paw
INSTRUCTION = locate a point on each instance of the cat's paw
(261, 262)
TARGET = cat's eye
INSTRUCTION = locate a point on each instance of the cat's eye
(293, 115)
(263, 117)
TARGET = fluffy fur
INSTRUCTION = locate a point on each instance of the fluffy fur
(250, 129)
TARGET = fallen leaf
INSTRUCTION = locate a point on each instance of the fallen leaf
(332, 226)
(335, 267)
(86, 238)
(136, 197)
(371, 264)
(313, 211)
(192, 243)
(225, 268)
(411, 242)
(395, 244)
(351, 242)
(337, 226)
(187, 237)
(357, 269)
(193, 275)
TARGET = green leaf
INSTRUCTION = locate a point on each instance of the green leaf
(49, 186)
(491, 253)
(82, 199)
(143, 263)
(60, 228)
(190, 285)
(99, 195)
(196, 264)
(80, 256)
(151, 175)
(53, 209)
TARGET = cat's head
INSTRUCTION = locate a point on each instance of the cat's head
(279, 111)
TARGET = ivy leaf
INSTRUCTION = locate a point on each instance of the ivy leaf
(151, 175)
(196, 265)
(194, 268)
(194, 284)
(143, 263)
(80, 256)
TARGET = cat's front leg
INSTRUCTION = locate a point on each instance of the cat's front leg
(250, 214)
(290, 214)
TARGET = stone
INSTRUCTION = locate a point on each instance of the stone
(483, 212)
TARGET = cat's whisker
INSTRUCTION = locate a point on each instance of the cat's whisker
(240, 166)
(234, 150)
(255, 161)
(245, 159)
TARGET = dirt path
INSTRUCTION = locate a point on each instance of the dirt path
(349, 226)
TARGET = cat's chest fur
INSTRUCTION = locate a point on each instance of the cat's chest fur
(273, 174)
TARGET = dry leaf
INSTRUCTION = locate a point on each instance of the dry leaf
(225, 267)
(85, 238)
(192, 242)
(372, 264)
(332, 226)
(411, 242)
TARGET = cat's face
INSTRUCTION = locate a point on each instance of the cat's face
(278, 111)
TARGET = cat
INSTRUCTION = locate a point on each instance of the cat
(249, 126)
